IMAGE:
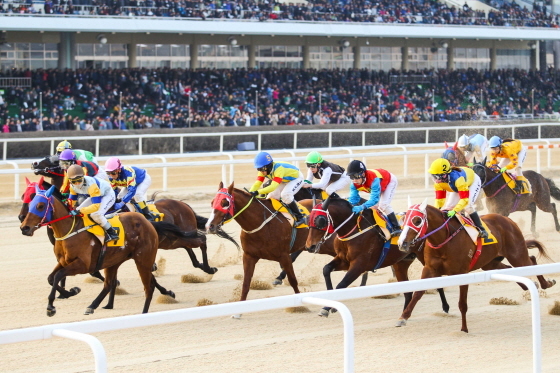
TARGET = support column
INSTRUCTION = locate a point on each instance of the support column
(493, 58)
(542, 55)
(357, 57)
(252, 56)
(404, 61)
(450, 58)
(535, 57)
(556, 53)
(132, 54)
(194, 56)
(67, 51)
(305, 53)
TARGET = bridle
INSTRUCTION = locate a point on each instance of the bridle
(422, 227)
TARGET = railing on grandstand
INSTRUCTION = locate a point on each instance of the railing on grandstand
(15, 82)
(412, 79)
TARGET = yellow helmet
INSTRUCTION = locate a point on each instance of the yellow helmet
(440, 166)
(63, 145)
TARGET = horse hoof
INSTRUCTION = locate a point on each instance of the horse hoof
(75, 291)
(154, 267)
(108, 307)
(446, 309)
(400, 322)
(171, 294)
(277, 281)
(323, 313)
(62, 297)
(552, 282)
(238, 316)
(334, 310)
(89, 311)
(118, 283)
(211, 270)
(51, 312)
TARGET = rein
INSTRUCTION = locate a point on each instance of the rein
(42, 223)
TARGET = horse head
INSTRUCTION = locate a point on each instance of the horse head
(223, 208)
(325, 219)
(28, 195)
(48, 167)
(480, 169)
(40, 210)
(415, 225)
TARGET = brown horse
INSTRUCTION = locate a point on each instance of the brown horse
(449, 251)
(359, 246)
(265, 234)
(49, 167)
(78, 251)
(454, 155)
(500, 199)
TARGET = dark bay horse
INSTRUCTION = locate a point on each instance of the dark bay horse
(77, 251)
(500, 199)
(452, 256)
(265, 234)
(358, 249)
(49, 167)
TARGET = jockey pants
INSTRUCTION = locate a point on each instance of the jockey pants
(287, 190)
(341, 183)
(141, 190)
(107, 201)
(453, 197)
(517, 171)
(386, 197)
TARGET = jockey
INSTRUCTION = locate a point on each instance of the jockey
(81, 155)
(475, 145)
(286, 179)
(463, 186)
(100, 198)
(133, 181)
(512, 154)
(332, 177)
(380, 184)
(67, 158)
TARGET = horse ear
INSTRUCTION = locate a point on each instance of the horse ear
(230, 188)
(445, 143)
(484, 161)
(221, 185)
(49, 192)
(474, 160)
(409, 201)
(326, 203)
(455, 146)
(41, 181)
(27, 182)
(37, 190)
(423, 205)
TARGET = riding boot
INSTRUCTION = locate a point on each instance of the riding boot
(299, 218)
(148, 214)
(110, 232)
(476, 219)
(396, 227)
(518, 186)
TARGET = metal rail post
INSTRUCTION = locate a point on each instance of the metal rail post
(96, 347)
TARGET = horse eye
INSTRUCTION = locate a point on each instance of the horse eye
(416, 221)
(225, 203)
(320, 222)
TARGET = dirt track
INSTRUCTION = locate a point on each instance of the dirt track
(274, 341)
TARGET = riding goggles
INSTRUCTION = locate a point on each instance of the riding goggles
(112, 172)
(77, 180)
(66, 163)
(356, 176)
(439, 178)
(262, 169)
(312, 165)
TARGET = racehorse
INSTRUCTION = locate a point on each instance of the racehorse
(265, 234)
(78, 251)
(454, 155)
(500, 199)
(449, 251)
(49, 167)
(359, 245)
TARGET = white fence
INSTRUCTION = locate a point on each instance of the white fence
(79, 330)
(352, 153)
(182, 137)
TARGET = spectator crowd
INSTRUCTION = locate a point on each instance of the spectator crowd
(88, 99)
(371, 11)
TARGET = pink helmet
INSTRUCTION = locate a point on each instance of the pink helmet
(112, 164)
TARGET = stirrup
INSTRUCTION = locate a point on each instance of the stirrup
(299, 222)
(482, 233)
(396, 233)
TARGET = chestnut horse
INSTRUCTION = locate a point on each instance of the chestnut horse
(454, 155)
(449, 251)
(357, 252)
(500, 199)
(77, 251)
(265, 234)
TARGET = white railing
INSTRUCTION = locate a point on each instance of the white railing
(80, 330)
(352, 153)
(182, 137)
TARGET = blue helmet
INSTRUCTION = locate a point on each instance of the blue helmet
(495, 141)
(263, 159)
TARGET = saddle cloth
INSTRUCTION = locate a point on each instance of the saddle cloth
(158, 216)
(278, 206)
(473, 232)
(381, 221)
(115, 222)
(510, 180)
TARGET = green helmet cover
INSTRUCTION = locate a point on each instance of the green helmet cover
(314, 157)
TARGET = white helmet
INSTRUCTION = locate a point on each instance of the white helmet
(463, 141)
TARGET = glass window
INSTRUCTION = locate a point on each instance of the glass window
(119, 49)
(293, 51)
(264, 51)
(40, 55)
(146, 49)
(178, 50)
(163, 50)
(37, 46)
(101, 49)
(206, 50)
(22, 46)
(85, 49)
(279, 51)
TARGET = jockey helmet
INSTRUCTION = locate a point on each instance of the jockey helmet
(313, 159)
(75, 174)
(262, 160)
(495, 141)
(66, 158)
(113, 164)
(63, 145)
(356, 169)
(463, 141)
(440, 170)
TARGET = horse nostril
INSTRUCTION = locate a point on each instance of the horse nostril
(21, 218)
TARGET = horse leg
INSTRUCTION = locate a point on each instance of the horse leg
(400, 271)
(163, 290)
(249, 263)
(533, 208)
(463, 291)
(98, 275)
(444, 303)
(109, 305)
(286, 263)
(426, 273)
(205, 266)
(148, 280)
(110, 278)
(64, 294)
(364, 279)
(555, 216)
(278, 280)
(73, 268)
(497, 264)
(545, 284)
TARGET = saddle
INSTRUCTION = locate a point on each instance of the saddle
(99, 232)
(158, 216)
(510, 180)
(284, 210)
(381, 221)
(471, 229)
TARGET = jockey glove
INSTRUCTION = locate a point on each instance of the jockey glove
(451, 213)
(74, 212)
(503, 169)
(254, 194)
(358, 209)
(118, 206)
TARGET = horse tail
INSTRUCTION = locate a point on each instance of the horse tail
(171, 231)
(201, 224)
(534, 244)
(554, 190)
